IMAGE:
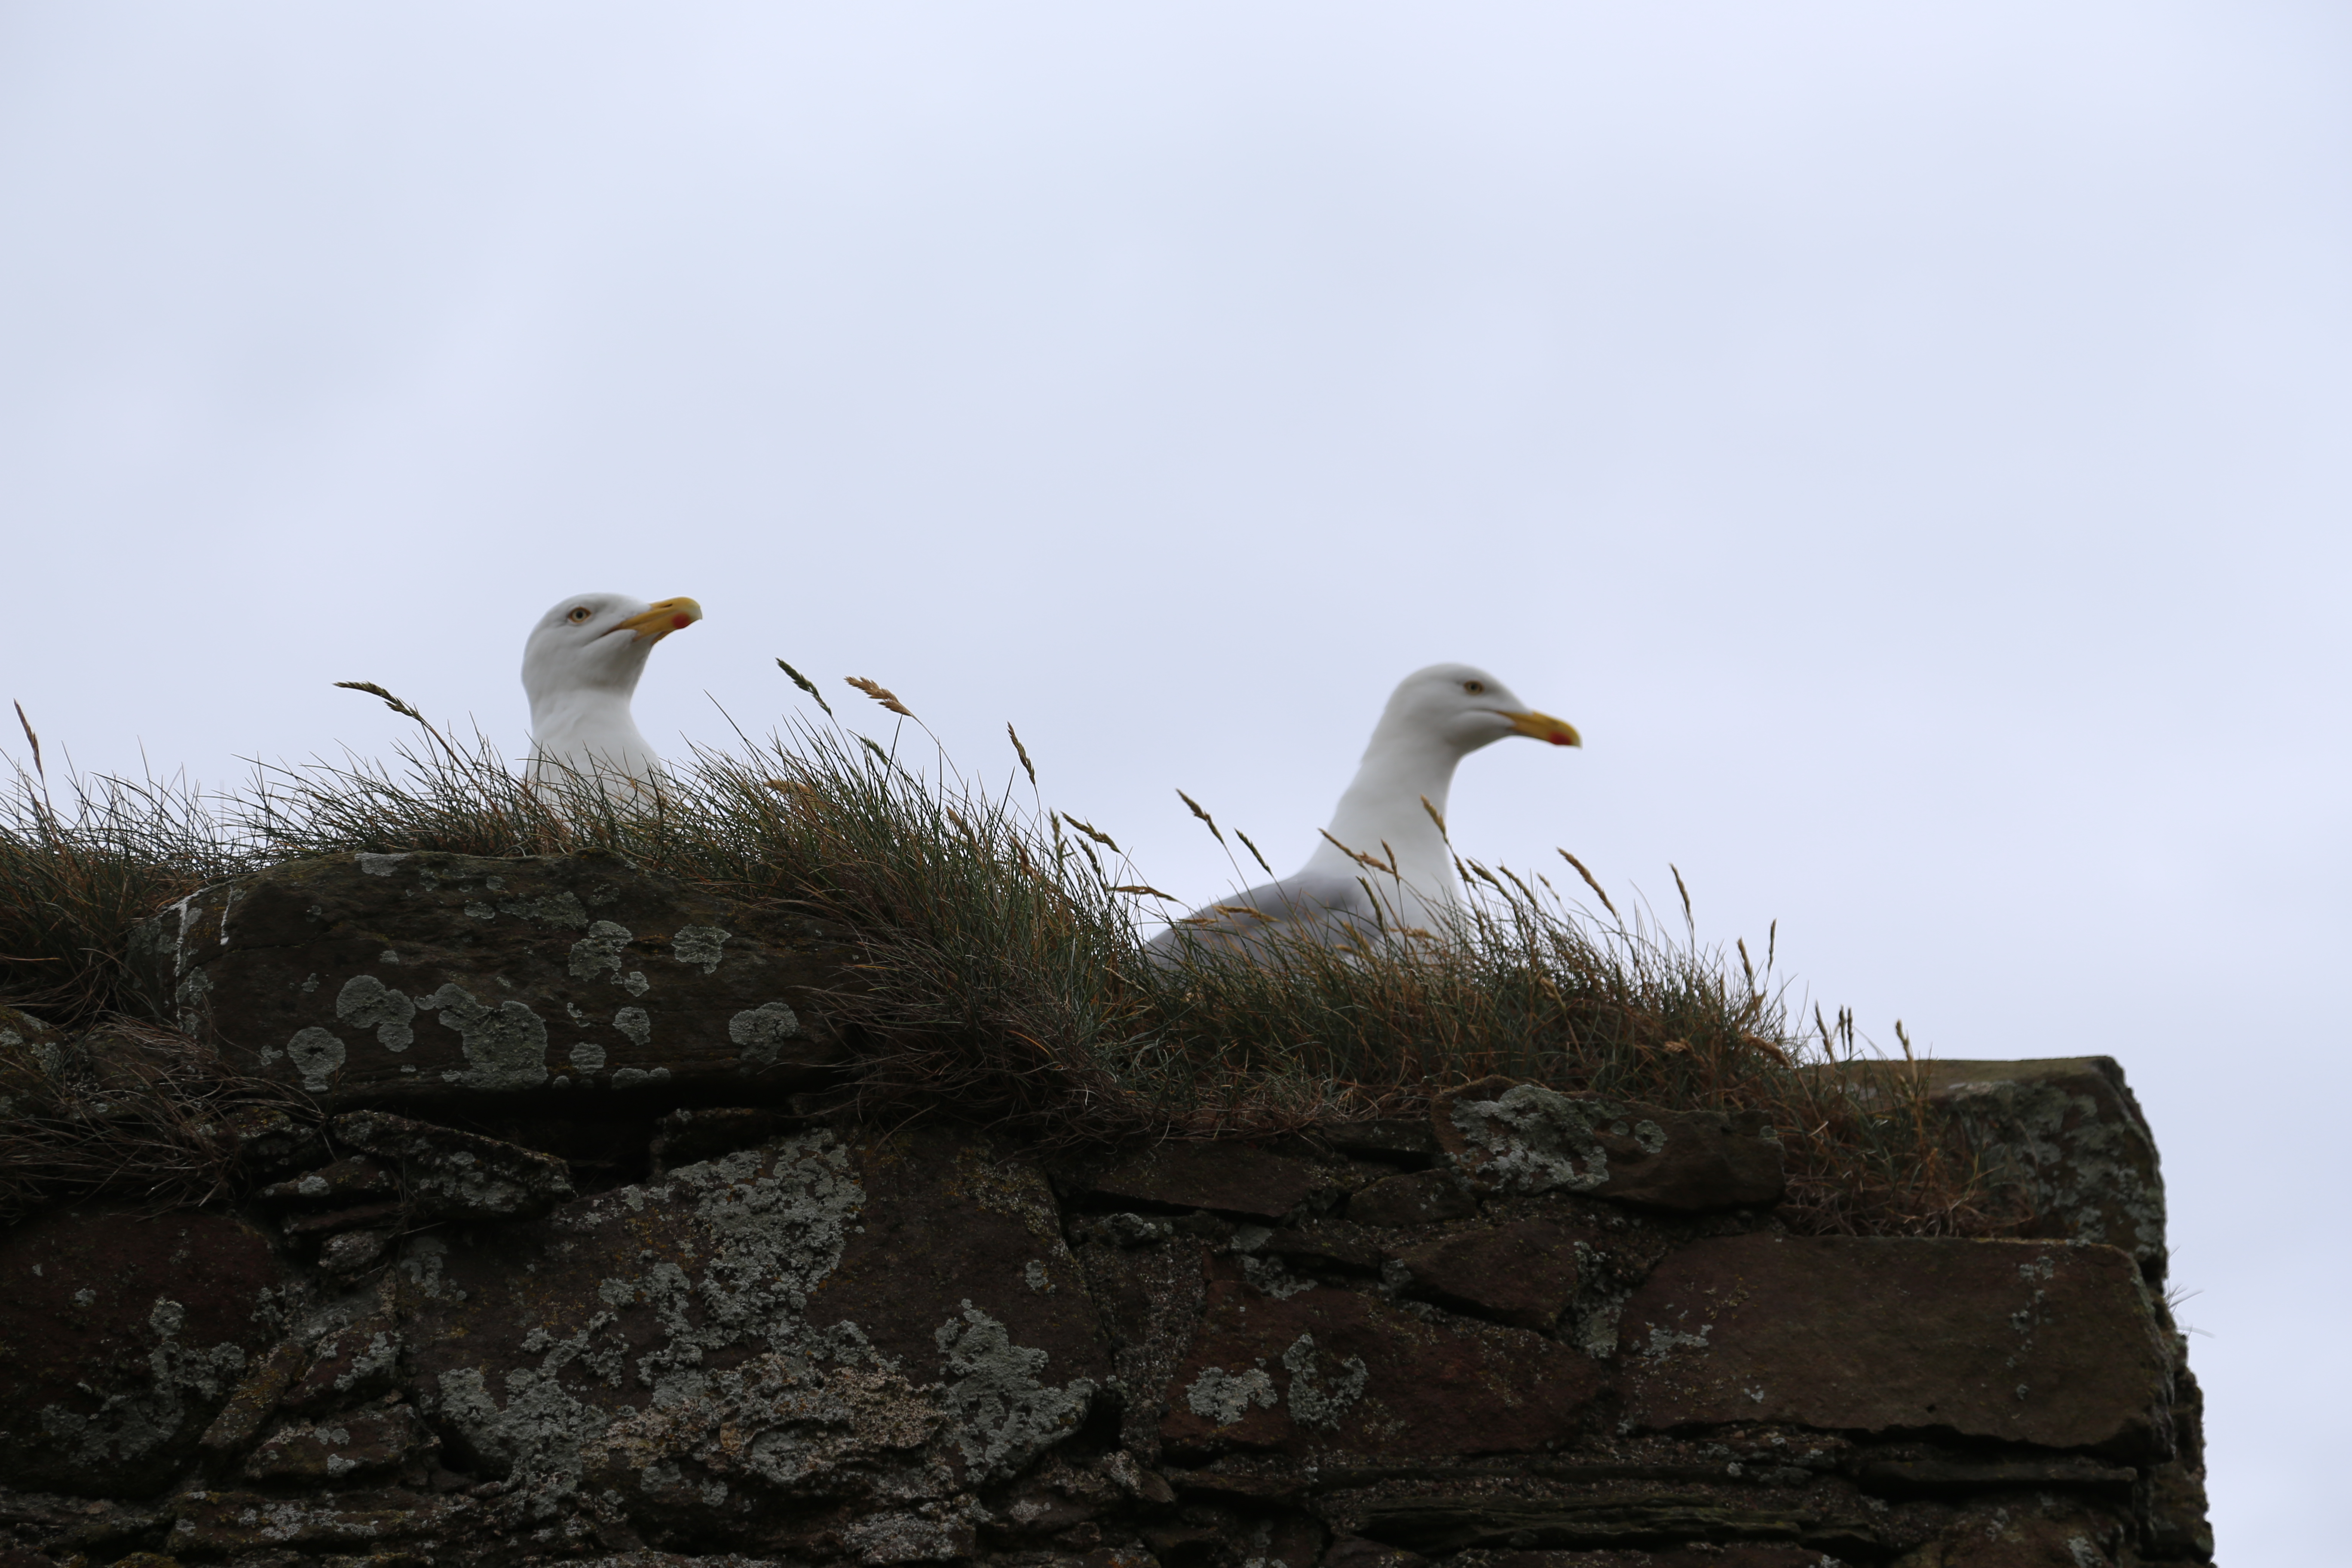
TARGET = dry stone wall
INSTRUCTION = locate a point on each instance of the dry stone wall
(504, 1307)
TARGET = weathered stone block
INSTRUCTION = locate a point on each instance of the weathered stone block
(1522, 1138)
(121, 1338)
(2066, 1130)
(879, 1326)
(2042, 1343)
(1230, 1178)
(1330, 1370)
(389, 979)
(1522, 1272)
(358, 1361)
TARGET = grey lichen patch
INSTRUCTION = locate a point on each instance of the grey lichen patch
(182, 1382)
(588, 1055)
(480, 912)
(636, 1025)
(535, 1431)
(635, 982)
(1270, 1276)
(367, 1003)
(1314, 1401)
(2091, 1169)
(1531, 1139)
(777, 1426)
(628, 1077)
(317, 1056)
(506, 1046)
(761, 1031)
(1004, 1414)
(767, 1227)
(380, 865)
(552, 909)
(705, 945)
(1225, 1397)
(599, 951)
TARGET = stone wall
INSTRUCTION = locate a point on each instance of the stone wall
(572, 1273)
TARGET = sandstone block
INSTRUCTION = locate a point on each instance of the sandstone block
(1522, 1138)
(395, 979)
(2040, 1342)
(1329, 1369)
(1230, 1178)
(121, 1336)
(1522, 1272)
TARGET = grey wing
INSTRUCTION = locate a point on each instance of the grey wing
(1310, 906)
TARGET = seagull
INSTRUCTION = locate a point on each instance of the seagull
(580, 667)
(1384, 863)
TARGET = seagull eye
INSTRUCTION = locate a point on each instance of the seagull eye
(579, 615)
(1473, 686)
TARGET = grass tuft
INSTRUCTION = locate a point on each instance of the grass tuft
(1001, 976)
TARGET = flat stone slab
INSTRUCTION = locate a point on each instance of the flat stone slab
(1342, 1371)
(121, 1336)
(1508, 1137)
(390, 979)
(1231, 1178)
(2048, 1344)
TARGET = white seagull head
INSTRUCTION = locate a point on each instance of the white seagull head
(580, 667)
(1458, 707)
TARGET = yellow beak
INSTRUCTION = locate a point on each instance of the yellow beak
(1544, 727)
(659, 620)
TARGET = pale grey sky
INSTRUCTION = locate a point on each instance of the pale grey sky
(1909, 441)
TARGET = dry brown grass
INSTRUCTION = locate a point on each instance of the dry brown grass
(1002, 976)
(131, 1111)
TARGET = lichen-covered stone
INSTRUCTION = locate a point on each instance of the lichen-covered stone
(351, 1180)
(1523, 1138)
(257, 1394)
(1331, 1370)
(2050, 1343)
(349, 1445)
(691, 1133)
(2066, 1131)
(121, 1336)
(411, 978)
(879, 1326)
(356, 1362)
(448, 1174)
(213, 1524)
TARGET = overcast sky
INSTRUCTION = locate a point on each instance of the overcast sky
(1909, 441)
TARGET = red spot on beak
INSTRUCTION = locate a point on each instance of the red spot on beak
(1557, 739)
(679, 623)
